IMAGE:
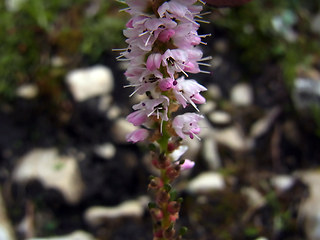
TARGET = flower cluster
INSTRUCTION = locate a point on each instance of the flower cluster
(162, 49)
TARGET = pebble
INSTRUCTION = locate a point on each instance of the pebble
(90, 82)
(104, 103)
(309, 210)
(106, 150)
(120, 129)
(6, 229)
(315, 24)
(209, 107)
(205, 182)
(242, 94)
(220, 117)
(77, 235)
(210, 154)
(233, 138)
(306, 93)
(132, 208)
(14, 5)
(53, 171)
(114, 112)
(260, 127)
(27, 91)
(255, 198)
(214, 91)
(282, 183)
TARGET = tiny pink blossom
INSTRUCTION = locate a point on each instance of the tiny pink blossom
(137, 118)
(137, 135)
(186, 92)
(154, 61)
(166, 35)
(165, 84)
(188, 164)
(198, 99)
(187, 125)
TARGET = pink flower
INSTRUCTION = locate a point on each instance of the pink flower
(166, 35)
(137, 118)
(187, 91)
(154, 61)
(147, 108)
(165, 84)
(137, 135)
(187, 164)
(187, 125)
(174, 60)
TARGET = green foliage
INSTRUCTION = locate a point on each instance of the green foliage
(39, 29)
(261, 31)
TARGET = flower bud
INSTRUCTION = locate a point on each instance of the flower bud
(173, 207)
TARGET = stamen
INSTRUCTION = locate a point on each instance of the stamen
(205, 59)
(205, 64)
(161, 126)
(119, 49)
(204, 43)
(182, 70)
(205, 35)
(124, 9)
(206, 72)
(123, 60)
(192, 20)
(193, 105)
(195, 135)
(144, 33)
(132, 85)
(203, 21)
(135, 91)
(148, 39)
(151, 112)
(205, 13)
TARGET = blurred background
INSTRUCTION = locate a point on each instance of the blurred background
(67, 172)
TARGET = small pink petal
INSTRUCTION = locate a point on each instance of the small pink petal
(137, 135)
(188, 164)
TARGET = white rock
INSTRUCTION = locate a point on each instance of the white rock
(233, 138)
(6, 230)
(261, 126)
(107, 150)
(57, 61)
(120, 130)
(131, 208)
(77, 235)
(205, 182)
(255, 199)
(315, 24)
(14, 5)
(282, 183)
(113, 112)
(214, 91)
(208, 107)
(53, 171)
(309, 211)
(220, 117)
(241, 94)
(194, 147)
(90, 82)
(104, 103)
(210, 153)
(27, 91)
(306, 92)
